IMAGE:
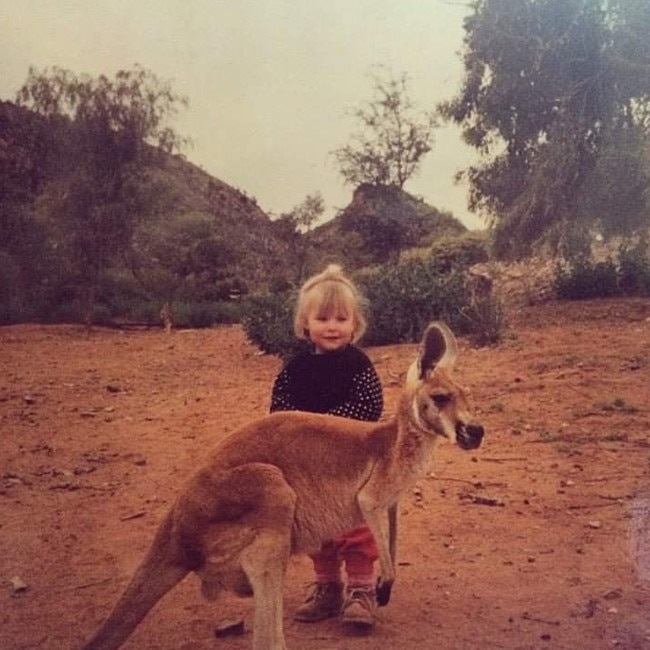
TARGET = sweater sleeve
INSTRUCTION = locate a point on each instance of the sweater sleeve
(281, 395)
(365, 400)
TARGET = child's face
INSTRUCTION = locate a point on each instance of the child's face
(330, 331)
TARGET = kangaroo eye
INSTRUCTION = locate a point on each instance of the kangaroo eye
(441, 399)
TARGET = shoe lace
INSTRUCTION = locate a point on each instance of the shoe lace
(318, 591)
(363, 595)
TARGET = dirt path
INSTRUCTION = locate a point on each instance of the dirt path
(540, 539)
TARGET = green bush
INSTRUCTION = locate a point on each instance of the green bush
(404, 298)
(10, 314)
(268, 323)
(60, 307)
(136, 310)
(199, 315)
(459, 252)
(634, 270)
(581, 279)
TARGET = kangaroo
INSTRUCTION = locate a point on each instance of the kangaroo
(285, 483)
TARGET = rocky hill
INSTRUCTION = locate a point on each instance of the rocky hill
(250, 232)
(381, 222)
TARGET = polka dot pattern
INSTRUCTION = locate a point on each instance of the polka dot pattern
(343, 383)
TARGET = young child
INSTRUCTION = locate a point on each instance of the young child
(334, 377)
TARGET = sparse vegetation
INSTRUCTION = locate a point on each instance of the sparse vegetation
(459, 251)
(627, 274)
(582, 278)
(485, 318)
(268, 323)
(401, 300)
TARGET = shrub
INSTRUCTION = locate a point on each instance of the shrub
(10, 314)
(459, 252)
(634, 270)
(268, 323)
(581, 279)
(205, 314)
(137, 310)
(485, 319)
(404, 298)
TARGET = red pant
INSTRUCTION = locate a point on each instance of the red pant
(356, 548)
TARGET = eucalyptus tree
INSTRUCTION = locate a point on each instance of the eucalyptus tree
(556, 98)
(111, 131)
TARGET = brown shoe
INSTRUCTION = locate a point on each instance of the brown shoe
(323, 601)
(359, 607)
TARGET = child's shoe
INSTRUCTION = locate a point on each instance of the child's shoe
(323, 601)
(359, 607)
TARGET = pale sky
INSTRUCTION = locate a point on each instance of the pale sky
(270, 83)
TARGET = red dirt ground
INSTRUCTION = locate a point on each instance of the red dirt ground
(540, 539)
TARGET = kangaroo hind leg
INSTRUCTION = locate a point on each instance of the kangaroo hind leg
(265, 558)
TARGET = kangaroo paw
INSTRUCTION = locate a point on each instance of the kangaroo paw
(383, 590)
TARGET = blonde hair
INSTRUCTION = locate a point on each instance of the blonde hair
(329, 291)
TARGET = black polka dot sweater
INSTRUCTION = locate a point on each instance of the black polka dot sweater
(341, 383)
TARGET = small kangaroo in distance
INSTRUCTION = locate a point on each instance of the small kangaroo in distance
(283, 484)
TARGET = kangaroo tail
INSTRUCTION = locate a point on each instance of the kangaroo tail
(162, 568)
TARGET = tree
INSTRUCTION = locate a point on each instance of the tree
(554, 91)
(392, 138)
(25, 259)
(112, 129)
(184, 257)
(295, 229)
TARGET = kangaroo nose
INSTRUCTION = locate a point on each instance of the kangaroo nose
(469, 436)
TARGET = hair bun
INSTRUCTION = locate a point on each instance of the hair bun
(332, 270)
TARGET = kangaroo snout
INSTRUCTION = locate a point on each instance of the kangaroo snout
(469, 436)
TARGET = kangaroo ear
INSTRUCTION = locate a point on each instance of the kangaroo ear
(438, 349)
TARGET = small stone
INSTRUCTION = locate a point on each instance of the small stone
(230, 628)
(594, 524)
(18, 585)
(613, 594)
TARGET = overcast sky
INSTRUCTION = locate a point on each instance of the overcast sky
(270, 83)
